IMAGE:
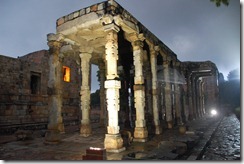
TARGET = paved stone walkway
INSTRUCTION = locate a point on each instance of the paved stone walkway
(170, 145)
(225, 143)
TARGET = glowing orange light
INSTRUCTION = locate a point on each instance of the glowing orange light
(66, 74)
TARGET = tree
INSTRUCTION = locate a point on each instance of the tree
(95, 98)
(234, 75)
(229, 91)
(219, 2)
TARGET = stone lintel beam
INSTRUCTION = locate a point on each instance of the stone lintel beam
(126, 25)
(82, 22)
(111, 27)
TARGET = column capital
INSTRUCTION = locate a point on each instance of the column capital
(132, 37)
(166, 62)
(111, 27)
(156, 48)
(86, 49)
(54, 37)
(85, 55)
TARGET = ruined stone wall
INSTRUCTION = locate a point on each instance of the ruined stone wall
(23, 92)
(71, 96)
(211, 94)
(20, 107)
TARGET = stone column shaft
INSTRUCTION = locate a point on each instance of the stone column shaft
(168, 101)
(140, 133)
(55, 124)
(189, 90)
(177, 98)
(85, 129)
(178, 104)
(102, 93)
(113, 141)
(154, 92)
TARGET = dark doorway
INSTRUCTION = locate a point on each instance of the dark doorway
(35, 83)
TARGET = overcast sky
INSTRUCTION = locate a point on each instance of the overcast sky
(196, 30)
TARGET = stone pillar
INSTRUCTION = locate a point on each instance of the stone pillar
(168, 101)
(178, 104)
(203, 103)
(113, 140)
(140, 133)
(190, 101)
(85, 93)
(199, 98)
(177, 97)
(153, 56)
(55, 122)
(102, 94)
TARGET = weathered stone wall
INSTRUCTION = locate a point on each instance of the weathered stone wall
(71, 96)
(211, 95)
(18, 106)
(23, 93)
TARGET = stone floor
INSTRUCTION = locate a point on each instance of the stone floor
(226, 141)
(170, 145)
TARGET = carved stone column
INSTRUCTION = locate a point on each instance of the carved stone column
(178, 104)
(153, 56)
(168, 101)
(113, 140)
(85, 129)
(189, 90)
(140, 133)
(102, 93)
(55, 124)
(177, 96)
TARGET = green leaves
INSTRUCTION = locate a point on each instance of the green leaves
(219, 2)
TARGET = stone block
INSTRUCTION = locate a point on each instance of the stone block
(88, 10)
(71, 16)
(93, 8)
(112, 84)
(100, 6)
(82, 12)
(76, 14)
(139, 87)
(60, 21)
(113, 143)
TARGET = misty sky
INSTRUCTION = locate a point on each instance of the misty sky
(196, 30)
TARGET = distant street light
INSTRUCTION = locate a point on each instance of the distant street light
(213, 112)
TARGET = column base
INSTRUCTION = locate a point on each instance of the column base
(52, 137)
(140, 134)
(158, 129)
(113, 143)
(85, 130)
(170, 124)
(182, 129)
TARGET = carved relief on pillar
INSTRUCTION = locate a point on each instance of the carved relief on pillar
(111, 50)
(140, 133)
(113, 141)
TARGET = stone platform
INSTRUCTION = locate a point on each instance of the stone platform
(170, 145)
